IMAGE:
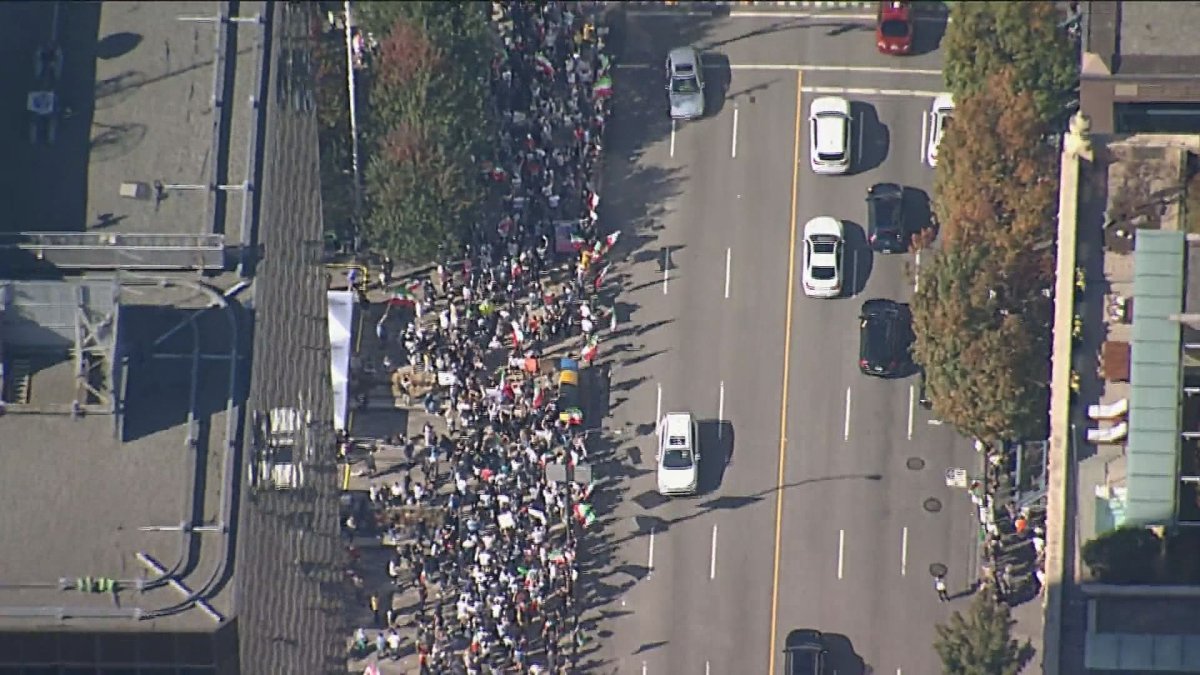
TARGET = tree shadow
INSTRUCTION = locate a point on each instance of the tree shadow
(930, 28)
(871, 136)
(116, 45)
(842, 657)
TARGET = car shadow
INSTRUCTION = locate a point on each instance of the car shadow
(871, 137)
(909, 368)
(860, 259)
(718, 77)
(716, 442)
(930, 27)
(918, 215)
(841, 656)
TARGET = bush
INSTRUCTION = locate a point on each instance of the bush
(981, 642)
(1126, 555)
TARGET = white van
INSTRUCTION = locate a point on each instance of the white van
(678, 455)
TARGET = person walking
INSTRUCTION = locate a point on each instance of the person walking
(375, 608)
(939, 585)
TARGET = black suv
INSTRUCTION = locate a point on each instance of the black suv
(886, 230)
(804, 653)
(882, 346)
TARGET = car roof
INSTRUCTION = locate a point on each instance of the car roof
(823, 225)
(943, 102)
(683, 56)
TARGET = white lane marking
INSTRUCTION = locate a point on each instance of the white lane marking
(867, 91)
(934, 423)
(643, 668)
(666, 269)
(766, 14)
(801, 66)
(721, 408)
(658, 409)
(904, 552)
(917, 272)
(924, 131)
(650, 560)
(733, 149)
(912, 395)
(672, 138)
(728, 263)
(706, 668)
(841, 551)
(846, 433)
(712, 561)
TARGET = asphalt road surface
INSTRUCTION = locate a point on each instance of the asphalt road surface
(824, 500)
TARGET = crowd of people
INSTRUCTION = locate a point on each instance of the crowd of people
(473, 521)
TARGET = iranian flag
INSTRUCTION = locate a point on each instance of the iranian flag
(517, 334)
(403, 296)
(585, 514)
(603, 88)
(539, 396)
(611, 240)
(590, 351)
(544, 64)
(593, 201)
(577, 241)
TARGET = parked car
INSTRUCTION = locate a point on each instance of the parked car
(939, 117)
(894, 28)
(887, 230)
(829, 124)
(824, 252)
(685, 83)
(882, 338)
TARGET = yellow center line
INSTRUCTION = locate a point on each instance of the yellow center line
(787, 355)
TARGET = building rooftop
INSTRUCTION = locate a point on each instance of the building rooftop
(1142, 38)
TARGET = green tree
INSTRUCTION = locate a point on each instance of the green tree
(1126, 555)
(982, 643)
(983, 363)
(984, 37)
(429, 123)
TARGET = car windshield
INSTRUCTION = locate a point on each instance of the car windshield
(685, 85)
(677, 459)
(824, 243)
(894, 28)
(824, 273)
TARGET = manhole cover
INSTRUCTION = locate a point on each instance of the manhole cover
(933, 505)
(915, 463)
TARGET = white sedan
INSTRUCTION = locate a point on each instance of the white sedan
(824, 252)
(939, 116)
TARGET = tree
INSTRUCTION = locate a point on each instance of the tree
(981, 643)
(429, 123)
(984, 37)
(1126, 555)
(982, 360)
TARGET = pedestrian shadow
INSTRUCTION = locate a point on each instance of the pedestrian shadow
(642, 358)
(649, 646)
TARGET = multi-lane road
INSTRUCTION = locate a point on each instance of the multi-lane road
(825, 500)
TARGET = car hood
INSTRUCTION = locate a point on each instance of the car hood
(687, 105)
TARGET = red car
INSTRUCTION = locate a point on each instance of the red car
(894, 30)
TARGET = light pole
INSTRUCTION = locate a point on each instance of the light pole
(351, 92)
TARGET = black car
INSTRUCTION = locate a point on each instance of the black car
(882, 346)
(886, 230)
(804, 653)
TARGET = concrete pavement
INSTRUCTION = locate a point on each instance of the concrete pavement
(839, 532)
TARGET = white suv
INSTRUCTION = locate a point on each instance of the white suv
(939, 117)
(829, 135)
(678, 455)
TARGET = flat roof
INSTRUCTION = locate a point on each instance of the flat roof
(1143, 38)
(1156, 378)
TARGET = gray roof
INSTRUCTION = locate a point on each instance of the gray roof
(1156, 378)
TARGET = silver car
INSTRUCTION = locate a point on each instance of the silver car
(685, 83)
